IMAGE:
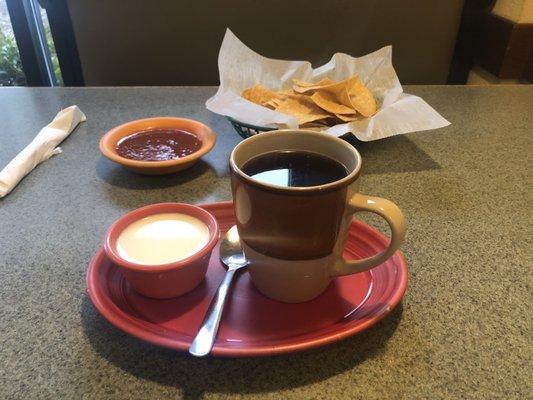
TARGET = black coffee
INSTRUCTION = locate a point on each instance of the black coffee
(294, 168)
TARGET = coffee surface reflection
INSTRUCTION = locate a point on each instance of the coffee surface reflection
(294, 169)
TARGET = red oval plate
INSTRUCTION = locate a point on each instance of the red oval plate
(252, 324)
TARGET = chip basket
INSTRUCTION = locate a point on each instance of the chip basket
(247, 130)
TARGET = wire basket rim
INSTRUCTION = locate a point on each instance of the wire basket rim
(250, 126)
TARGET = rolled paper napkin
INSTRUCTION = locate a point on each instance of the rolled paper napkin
(41, 148)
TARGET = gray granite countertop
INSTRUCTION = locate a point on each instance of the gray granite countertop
(463, 330)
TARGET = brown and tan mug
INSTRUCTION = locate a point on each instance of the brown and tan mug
(293, 237)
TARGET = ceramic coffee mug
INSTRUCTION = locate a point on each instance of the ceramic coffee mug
(293, 237)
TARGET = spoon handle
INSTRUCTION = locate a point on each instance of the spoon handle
(205, 338)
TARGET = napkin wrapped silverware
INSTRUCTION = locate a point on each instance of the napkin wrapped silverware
(41, 148)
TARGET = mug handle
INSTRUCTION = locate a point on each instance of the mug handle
(392, 214)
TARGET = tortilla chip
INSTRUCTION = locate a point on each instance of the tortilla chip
(272, 104)
(315, 126)
(344, 98)
(320, 104)
(347, 117)
(303, 87)
(338, 87)
(352, 93)
(283, 94)
(321, 82)
(329, 102)
(258, 94)
(334, 87)
(362, 99)
(319, 122)
(302, 108)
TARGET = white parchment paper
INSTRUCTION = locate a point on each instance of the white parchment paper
(240, 68)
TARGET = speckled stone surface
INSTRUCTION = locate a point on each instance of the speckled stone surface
(463, 331)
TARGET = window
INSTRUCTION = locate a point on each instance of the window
(28, 53)
(11, 73)
(50, 45)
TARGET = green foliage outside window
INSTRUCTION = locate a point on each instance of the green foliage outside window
(53, 55)
(11, 72)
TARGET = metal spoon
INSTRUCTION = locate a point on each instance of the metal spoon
(232, 256)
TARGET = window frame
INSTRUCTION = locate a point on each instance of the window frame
(31, 41)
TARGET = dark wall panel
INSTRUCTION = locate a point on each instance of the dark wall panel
(176, 42)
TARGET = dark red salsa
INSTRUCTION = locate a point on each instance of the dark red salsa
(158, 145)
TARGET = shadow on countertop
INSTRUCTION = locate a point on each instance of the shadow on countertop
(194, 376)
(117, 175)
(393, 154)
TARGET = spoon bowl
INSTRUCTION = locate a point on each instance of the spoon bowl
(231, 253)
